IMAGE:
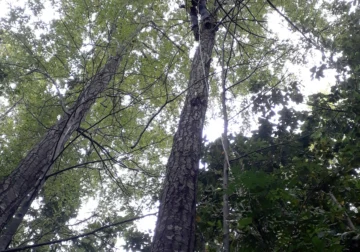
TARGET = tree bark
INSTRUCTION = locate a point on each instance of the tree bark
(225, 144)
(10, 230)
(348, 220)
(175, 228)
(30, 173)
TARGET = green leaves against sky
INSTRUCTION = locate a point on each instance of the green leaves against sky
(283, 171)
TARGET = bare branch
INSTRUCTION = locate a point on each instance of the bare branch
(293, 25)
(93, 232)
(2, 117)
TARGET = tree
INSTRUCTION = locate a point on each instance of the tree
(294, 181)
(175, 227)
(30, 175)
(24, 182)
(280, 176)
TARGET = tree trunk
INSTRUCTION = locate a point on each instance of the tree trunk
(225, 144)
(30, 173)
(175, 227)
(11, 227)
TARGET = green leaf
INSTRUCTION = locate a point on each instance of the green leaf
(244, 222)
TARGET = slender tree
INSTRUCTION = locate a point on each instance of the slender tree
(225, 145)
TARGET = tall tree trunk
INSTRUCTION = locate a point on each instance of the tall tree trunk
(175, 227)
(225, 144)
(11, 227)
(30, 173)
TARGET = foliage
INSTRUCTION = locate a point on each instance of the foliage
(282, 175)
(295, 180)
(45, 66)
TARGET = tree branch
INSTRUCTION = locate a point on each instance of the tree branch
(293, 25)
(9, 110)
(80, 235)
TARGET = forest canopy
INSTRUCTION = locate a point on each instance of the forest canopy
(111, 111)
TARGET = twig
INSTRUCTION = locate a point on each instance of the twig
(292, 24)
(268, 147)
(350, 223)
(93, 232)
(9, 110)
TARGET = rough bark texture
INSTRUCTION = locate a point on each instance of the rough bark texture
(175, 228)
(30, 173)
(12, 225)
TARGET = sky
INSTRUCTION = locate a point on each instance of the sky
(214, 127)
